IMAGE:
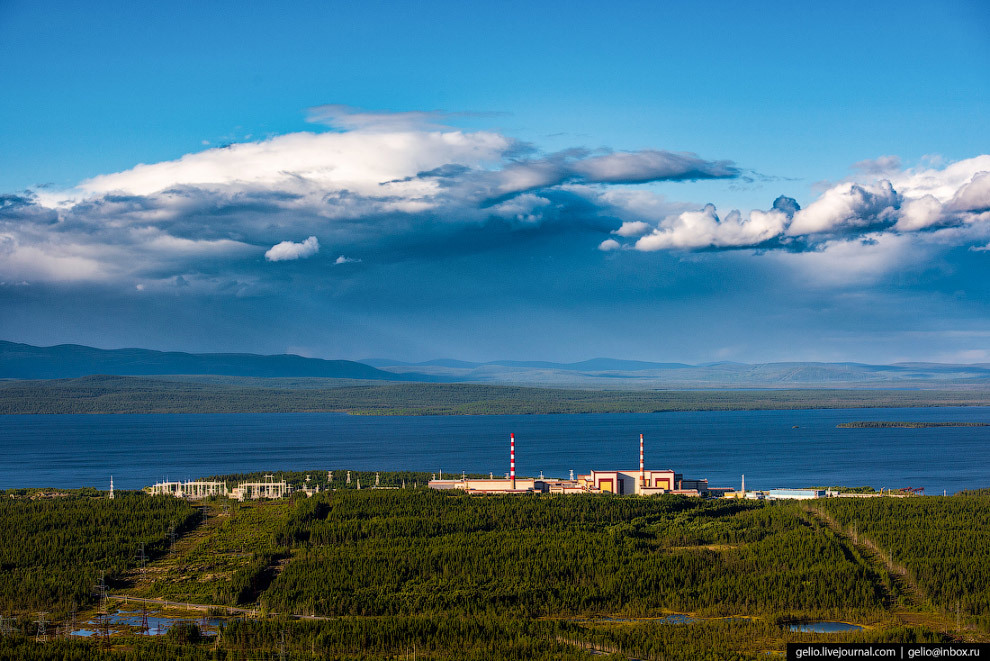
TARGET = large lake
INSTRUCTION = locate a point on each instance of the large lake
(84, 450)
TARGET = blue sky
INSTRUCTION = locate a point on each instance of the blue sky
(511, 180)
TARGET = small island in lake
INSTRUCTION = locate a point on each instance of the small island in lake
(874, 424)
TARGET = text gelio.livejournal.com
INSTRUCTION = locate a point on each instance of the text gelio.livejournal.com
(824, 651)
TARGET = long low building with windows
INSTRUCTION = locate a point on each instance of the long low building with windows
(796, 494)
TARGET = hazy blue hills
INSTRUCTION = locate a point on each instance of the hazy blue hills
(594, 364)
(66, 361)
(23, 361)
(611, 373)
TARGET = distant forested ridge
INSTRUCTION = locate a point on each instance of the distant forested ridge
(24, 361)
(124, 394)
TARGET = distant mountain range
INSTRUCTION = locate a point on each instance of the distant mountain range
(611, 373)
(23, 361)
(593, 365)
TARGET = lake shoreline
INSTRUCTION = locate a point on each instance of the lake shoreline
(773, 448)
(139, 395)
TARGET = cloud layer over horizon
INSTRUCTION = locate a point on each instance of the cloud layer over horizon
(379, 177)
(387, 215)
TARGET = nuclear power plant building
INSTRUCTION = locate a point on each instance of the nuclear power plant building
(645, 483)
(640, 482)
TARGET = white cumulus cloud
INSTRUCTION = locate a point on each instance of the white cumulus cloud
(948, 206)
(357, 161)
(633, 228)
(287, 250)
(974, 196)
(705, 229)
(919, 213)
(847, 205)
(525, 208)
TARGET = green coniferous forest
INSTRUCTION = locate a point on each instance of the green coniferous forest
(53, 551)
(939, 547)
(392, 573)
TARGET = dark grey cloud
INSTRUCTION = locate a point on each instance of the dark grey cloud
(786, 204)
(349, 118)
(445, 171)
(878, 166)
(651, 165)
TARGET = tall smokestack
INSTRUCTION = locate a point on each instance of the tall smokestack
(642, 468)
(512, 459)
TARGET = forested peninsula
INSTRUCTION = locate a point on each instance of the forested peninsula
(878, 424)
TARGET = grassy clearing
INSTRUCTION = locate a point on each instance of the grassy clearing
(938, 547)
(229, 551)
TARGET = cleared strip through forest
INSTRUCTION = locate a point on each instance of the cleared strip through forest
(882, 559)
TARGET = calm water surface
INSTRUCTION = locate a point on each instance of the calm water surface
(84, 450)
(825, 627)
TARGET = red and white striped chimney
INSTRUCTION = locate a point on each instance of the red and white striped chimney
(512, 459)
(642, 468)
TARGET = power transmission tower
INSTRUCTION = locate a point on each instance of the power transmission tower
(144, 605)
(42, 633)
(102, 615)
